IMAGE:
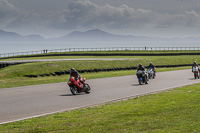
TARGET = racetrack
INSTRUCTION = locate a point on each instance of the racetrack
(31, 101)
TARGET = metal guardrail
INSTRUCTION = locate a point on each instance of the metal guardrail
(45, 51)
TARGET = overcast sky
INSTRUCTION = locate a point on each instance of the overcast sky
(53, 18)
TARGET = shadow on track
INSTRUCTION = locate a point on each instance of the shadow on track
(138, 84)
(72, 94)
(67, 95)
(192, 79)
(135, 85)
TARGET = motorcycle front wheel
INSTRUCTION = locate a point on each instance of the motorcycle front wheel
(149, 76)
(87, 89)
(146, 80)
(140, 81)
(74, 90)
(154, 76)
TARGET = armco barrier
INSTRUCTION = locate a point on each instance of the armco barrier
(104, 70)
(111, 54)
(44, 52)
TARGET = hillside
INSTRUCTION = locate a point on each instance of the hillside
(94, 35)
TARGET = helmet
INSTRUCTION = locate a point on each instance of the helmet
(151, 63)
(195, 62)
(72, 69)
(140, 65)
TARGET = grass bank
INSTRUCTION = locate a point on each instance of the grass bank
(173, 111)
(13, 76)
(51, 67)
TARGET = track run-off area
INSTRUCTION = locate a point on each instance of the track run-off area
(21, 103)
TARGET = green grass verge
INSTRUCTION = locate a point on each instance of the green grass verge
(173, 111)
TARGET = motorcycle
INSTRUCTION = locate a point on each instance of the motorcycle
(76, 86)
(151, 73)
(142, 77)
(196, 72)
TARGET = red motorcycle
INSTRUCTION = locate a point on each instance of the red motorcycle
(77, 86)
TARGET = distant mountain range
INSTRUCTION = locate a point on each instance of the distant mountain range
(15, 37)
(94, 35)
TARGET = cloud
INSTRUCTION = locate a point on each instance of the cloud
(6, 6)
(7, 12)
(193, 19)
(79, 14)
(184, 20)
(13, 17)
(84, 14)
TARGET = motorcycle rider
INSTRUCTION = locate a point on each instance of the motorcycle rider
(195, 64)
(74, 73)
(152, 66)
(142, 68)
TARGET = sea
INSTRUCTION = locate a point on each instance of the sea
(13, 47)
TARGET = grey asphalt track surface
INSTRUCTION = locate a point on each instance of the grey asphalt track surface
(32, 101)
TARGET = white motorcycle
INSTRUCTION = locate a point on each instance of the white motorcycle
(151, 73)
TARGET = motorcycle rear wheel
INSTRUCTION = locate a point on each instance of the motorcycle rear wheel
(195, 75)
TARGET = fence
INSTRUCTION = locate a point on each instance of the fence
(100, 49)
